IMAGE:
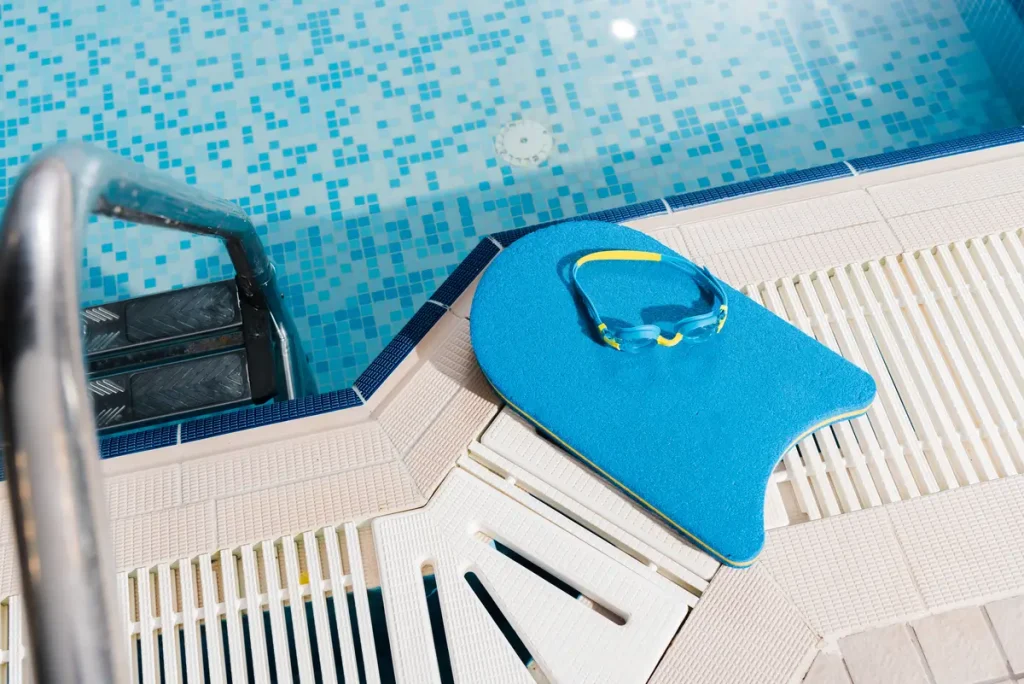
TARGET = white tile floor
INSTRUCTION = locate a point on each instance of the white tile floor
(885, 654)
(961, 646)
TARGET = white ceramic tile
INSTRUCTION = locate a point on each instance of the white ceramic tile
(412, 411)
(950, 188)
(959, 647)
(10, 572)
(959, 222)
(395, 384)
(280, 463)
(964, 545)
(396, 378)
(356, 494)
(743, 630)
(781, 223)
(749, 203)
(461, 421)
(1007, 618)
(143, 491)
(421, 399)
(844, 573)
(145, 540)
(827, 668)
(883, 656)
(802, 255)
(275, 433)
(455, 358)
(673, 238)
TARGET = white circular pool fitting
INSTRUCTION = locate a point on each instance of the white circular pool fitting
(524, 143)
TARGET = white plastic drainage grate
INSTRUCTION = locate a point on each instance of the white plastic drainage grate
(564, 597)
(282, 645)
(942, 332)
(603, 605)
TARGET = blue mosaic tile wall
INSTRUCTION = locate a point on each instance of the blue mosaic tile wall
(360, 135)
(1002, 25)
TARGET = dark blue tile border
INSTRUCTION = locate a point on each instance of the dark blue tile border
(421, 323)
(477, 260)
(456, 283)
(267, 414)
(756, 185)
(400, 347)
(934, 150)
(143, 440)
(507, 237)
(627, 213)
(370, 380)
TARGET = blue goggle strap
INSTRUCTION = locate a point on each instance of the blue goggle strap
(696, 328)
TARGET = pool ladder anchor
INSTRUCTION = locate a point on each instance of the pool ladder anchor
(49, 431)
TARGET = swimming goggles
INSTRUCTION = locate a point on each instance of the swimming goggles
(690, 329)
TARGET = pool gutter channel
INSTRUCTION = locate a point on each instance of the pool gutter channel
(466, 272)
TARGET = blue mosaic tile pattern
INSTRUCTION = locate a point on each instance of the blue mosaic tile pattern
(630, 212)
(361, 137)
(1001, 25)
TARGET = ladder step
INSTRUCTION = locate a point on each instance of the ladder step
(171, 391)
(161, 318)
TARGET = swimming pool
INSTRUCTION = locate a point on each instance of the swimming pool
(375, 141)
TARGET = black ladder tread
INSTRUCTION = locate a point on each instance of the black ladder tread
(171, 391)
(163, 317)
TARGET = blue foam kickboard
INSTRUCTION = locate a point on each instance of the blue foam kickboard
(691, 432)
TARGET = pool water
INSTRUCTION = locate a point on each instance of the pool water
(375, 141)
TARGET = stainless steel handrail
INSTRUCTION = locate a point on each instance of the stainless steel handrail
(51, 452)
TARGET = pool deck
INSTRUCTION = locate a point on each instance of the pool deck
(894, 543)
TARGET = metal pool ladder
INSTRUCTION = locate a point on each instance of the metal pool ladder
(50, 449)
